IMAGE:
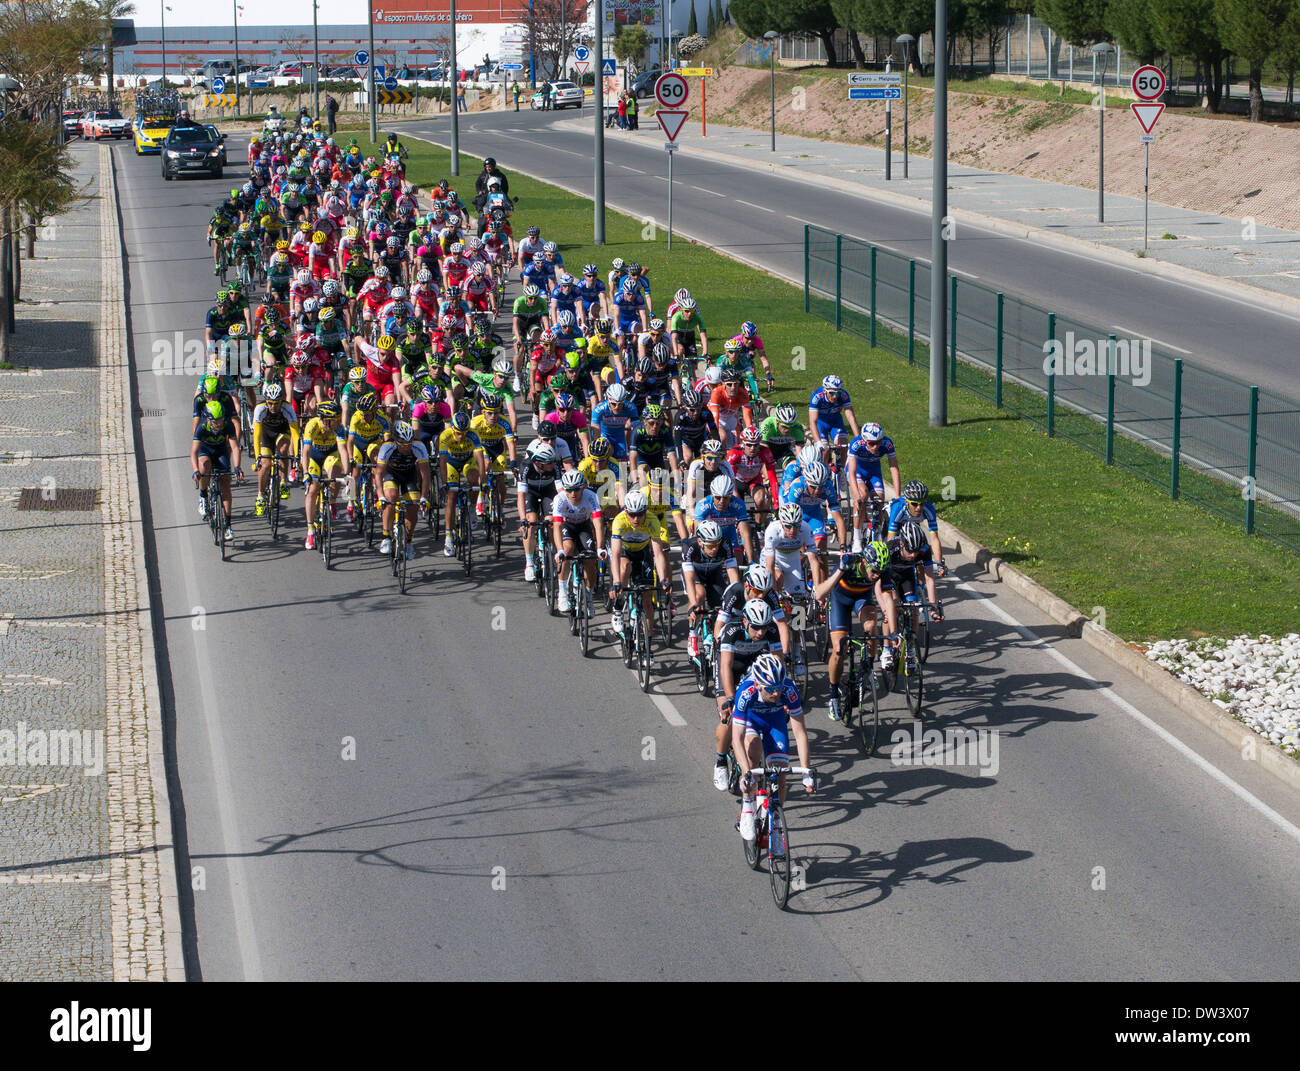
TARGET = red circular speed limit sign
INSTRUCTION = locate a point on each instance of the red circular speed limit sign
(1149, 83)
(671, 90)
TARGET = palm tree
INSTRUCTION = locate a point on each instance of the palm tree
(108, 10)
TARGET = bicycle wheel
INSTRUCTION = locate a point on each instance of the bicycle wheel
(643, 651)
(733, 772)
(913, 679)
(868, 728)
(584, 621)
(273, 503)
(753, 850)
(573, 598)
(663, 615)
(628, 636)
(466, 532)
(539, 569)
(214, 502)
(399, 550)
(325, 519)
(551, 582)
(778, 855)
(848, 685)
(703, 682)
(219, 525)
(923, 642)
(494, 501)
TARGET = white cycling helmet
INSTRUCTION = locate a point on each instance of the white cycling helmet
(544, 453)
(713, 374)
(616, 393)
(758, 578)
(709, 532)
(815, 474)
(635, 502)
(758, 613)
(809, 455)
(722, 486)
(790, 513)
(573, 480)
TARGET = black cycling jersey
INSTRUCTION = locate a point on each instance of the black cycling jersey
(733, 602)
(744, 649)
(651, 450)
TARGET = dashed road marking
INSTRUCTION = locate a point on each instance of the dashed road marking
(761, 208)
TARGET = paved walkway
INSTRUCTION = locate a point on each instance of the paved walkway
(1217, 245)
(87, 871)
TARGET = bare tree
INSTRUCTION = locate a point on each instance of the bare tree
(298, 45)
(557, 27)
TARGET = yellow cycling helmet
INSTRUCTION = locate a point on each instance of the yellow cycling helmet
(281, 246)
(235, 331)
(328, 410)
(305, 227)
(318, 237)
(353, 233)
(385, 342)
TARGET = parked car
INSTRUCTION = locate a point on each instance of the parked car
(643, 85)
(71, 123)
(105, 124)
(567, 95)
(190, 149)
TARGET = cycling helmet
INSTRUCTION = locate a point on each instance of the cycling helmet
(356, 374)
(479, 269)
(563, 401)
(635, 502)
(530, 291)
(912, 537)
(750, 436)
(546, 429)
(645, 366)
(590, 269)
(328, 313)
(399, 293)
(457, 248)
(768, 672)
(786, 415)
(550, 247)
(502, 366)
(328, 410)
(686, 304)
(393, 242)
(381, 272)
(565, 279)
(875, 556)
(791, 514)
(815, 474)
(758, 614)
(711, 448)
(758, 578)
(460, 420)
(730, 347)
(749, 329)
(872, 433)
(601, 449)
(423, 276)
(730, 375)
(534, 231)
(490, 402)
(573, 480)
(273, 392)
(722, 486)
(544, 454)
(565, 316)
(832, 383)
(713, 375)
(617, 264)
(809, 454)
(547, 337)
(660, 353)
(709, 532)
(329, 289)
(634, 268)
(656, 324)
(403, 432)
(539, 258)
(691, 400)
(915, 491)
(211, 385)
(367, 403)
(653, 412)
(430, 394)
(681, 295)
(385, 342)
(616, 393)
(309, 306)
(304, 277)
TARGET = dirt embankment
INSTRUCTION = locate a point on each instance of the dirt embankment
(1211, 165)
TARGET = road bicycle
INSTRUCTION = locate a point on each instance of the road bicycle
(365, 508)
(493, 521)
(273, 495)
(858, 690)
(399, 562)
(807, 622)
(580, 599)
(325, 518)
(700, 652)
(636, 636)
(771, 831)
(463, 535)
(217, 519)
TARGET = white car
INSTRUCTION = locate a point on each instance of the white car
(567, 95)
(106, 124)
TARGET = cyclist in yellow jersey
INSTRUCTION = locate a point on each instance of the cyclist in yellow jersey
(634, 544)
(600, 350)
(275, 435)
(367, 431)
(320, 457)
(601, 475)
(498, 440)
(662, 504)
(457, 448)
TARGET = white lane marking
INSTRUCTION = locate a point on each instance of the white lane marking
(797, 219)
(1128, 708)
(665, 705)
(1142, 334)
(715, 193)
(761, 208)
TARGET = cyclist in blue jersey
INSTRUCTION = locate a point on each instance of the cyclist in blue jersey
(564, 295)
(613, 417)
(591, 291)
(728, 509)
(913, 506)
(636, 275)
(866, 479)
(633, 321)
(539, 274)
(566, 330)
(815, 494)
(828, 409)
(766, 700)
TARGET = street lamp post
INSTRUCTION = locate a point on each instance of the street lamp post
(906, 40)
(162, 15)
(1103, 50)
(370, 73)
(315, 64)
(234, 4)
(771, 37)
(598, 179)
(455, 107)
(939, 224)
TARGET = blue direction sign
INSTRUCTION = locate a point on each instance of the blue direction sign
(258, 83)
(360, 57)
(875, 93)
(609, 68)
(390, 83)
(512, 66)
(582, 53)
(218, 84)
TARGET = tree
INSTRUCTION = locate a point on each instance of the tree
(756, 17)
(712, 27)
(1250, 29)
(1188, 28)
(631, 44)
(558, 26)
(692, 24)
(1076, 21)
(108, 10)
(1131, 24)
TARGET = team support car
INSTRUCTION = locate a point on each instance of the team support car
(150, 133)
(191, 149)
(566, 95)
(105, 124)
(71, 123)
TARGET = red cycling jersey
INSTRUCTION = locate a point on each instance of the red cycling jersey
(749, 467)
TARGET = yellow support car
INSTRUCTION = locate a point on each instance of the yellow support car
(150, 133)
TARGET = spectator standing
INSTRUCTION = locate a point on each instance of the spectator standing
(631, 112)
(331, 110)
(460, 97)
(622, 111)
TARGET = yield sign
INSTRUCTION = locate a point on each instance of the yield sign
(1147, 114)
(581, 66)
(671, 121)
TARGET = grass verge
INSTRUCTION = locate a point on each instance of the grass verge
(1097, 536)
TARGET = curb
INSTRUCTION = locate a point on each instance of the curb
(1096, 250)
(169, 892)
(1183, 696)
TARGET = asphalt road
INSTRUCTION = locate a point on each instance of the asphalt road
(760, 218)
(495, 755)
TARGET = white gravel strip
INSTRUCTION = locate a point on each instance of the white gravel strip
(1256, 679)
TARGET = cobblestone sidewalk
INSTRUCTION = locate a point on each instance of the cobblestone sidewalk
(87, 866)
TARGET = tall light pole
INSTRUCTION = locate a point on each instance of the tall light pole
(455, 87)
(532, 50)
(598, 181)
(315, 64)
(234, 4)
(771, 38)
(939, 224)
(1103, 50)
(906, 40)
(370, 81)
(162, 14)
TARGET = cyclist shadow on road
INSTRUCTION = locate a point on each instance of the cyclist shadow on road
(842, 877)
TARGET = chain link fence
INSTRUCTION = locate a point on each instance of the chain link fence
(1195, 433)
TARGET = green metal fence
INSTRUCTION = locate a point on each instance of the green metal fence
(1195, 433)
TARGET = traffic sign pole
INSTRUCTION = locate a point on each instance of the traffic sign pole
(1146, 190)
(370, 62)
(671, 91)
(598, 181)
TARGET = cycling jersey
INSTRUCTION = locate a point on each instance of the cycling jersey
(733, 602)
(589, 291)
(565, 297)
(767, 720)
(269, 426)
(366, 431)
(527, 308)
(749, 468)
(634, 537)
(868, 468)
(321, 441)
(744, 649)
(566, 511)
(709, 571)
(781, 443)
(678, 324)
(898, 515)
(458, 446)
(728, 518)
(787, 552)
(830, 415)
(494, 436)
(613, 425)
(652, 449)
(699, 476)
